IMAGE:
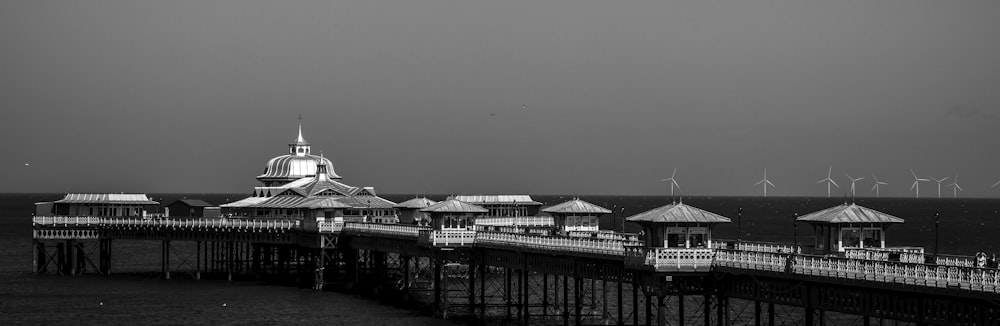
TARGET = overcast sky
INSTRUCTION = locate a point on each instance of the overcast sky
(426, 96)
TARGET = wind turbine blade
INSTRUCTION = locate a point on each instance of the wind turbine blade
(821, 181)
(769, 182)
(914, 174)
(834, 183)
(875, 187)
(959, 187)
(673, 174)
(859, 179)
(914, 185)
(758, 183)
(945, 178)
(676, 184)
(923, 180)
(995, 184)
(848, 176)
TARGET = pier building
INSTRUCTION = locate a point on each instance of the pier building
(302, 186)
(409, 211)
(576, 217)
(849, 226)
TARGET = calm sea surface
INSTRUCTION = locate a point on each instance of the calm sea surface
(132, 298)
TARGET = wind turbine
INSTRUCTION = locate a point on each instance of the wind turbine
(853, 180)
(955, 187)
(877, 183)
(673, 183)
(916, 182)
(765, 182)
(939, 184)
(829, 181)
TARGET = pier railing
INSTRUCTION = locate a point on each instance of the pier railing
(760, 246)
(918, 274)
(516, 221)
(553, 244)
(203, 223)
(670, 259)
(67, 220)
(330, 226)
(395, 230)
(446, 238)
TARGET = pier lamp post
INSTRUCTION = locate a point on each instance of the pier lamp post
(623, 219)
(739, 224)
(614, 219)
(937, 222)
(795, 233)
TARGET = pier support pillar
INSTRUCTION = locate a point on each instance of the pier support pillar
(165, 258)
(71, 257)
(809, 316)
(473, 268)
(545, 294)
(756, 313)
(319, 281)
(197, 260)
(680, 309)
(437, 285)
(61, 258)
(621, 309)
(770, 313)
(565, 300)
(708, 310)
(34, 256)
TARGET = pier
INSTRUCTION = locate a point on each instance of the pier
(527, 278)
(508, 259)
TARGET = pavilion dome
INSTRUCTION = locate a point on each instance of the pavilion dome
(298, 163)
(293, 167)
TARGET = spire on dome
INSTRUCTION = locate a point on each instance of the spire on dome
(300, 140)
(300, 147)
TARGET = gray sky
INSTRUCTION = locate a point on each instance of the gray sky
(426, 96)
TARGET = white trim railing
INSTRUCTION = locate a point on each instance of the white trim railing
(760, 246)
(203, 223)
(671, 259)
(942, 276)
(446, 238)
(403, 230)
(330, 226)
(553, 243)
(539, 221)
(67, 220)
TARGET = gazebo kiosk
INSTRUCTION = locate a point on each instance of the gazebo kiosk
(849, 226)
(677, 237)
(409, 211)
(451, 224)
(576, 217)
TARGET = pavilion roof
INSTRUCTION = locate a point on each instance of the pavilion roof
(576, 206)
(678, 213)
(454, 206)
(848, 214)
(497, 199)
(134, 199)
(420, 202)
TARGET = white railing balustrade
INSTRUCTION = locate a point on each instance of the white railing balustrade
(671, 259)
(446, 238)
(553, 243)
(67, 220)
(203, 223)
(403, 230)
(538, 221)
(330, 226)
(755, 246)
